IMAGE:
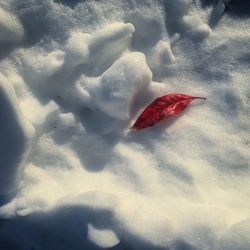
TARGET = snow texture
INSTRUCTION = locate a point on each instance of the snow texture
(15, 134)
(74, 76)
(10, 26)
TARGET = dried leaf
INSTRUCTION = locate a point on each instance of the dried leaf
(161, 108)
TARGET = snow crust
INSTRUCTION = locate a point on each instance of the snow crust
(74, 75)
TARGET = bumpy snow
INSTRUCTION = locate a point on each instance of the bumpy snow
(74, 75)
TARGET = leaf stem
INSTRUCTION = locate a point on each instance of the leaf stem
(203, 98)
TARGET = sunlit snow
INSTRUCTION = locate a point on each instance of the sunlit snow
(74, 76)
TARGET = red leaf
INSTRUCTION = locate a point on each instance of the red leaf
(163, 107)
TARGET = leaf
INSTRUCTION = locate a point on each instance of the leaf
(161, 108)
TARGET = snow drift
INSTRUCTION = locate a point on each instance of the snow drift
(74, 75)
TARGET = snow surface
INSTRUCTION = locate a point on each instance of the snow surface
(74, 75)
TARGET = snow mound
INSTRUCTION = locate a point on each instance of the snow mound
(115, 89)
(15, 133)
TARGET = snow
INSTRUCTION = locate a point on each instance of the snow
(102, 238)
(118, 85)
(10, 26)
(16, 134)
(74, 76)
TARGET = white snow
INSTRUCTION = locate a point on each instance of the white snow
(15, 135)
(102, 238)
(74, 75)
(117, 86)
(10, 27)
